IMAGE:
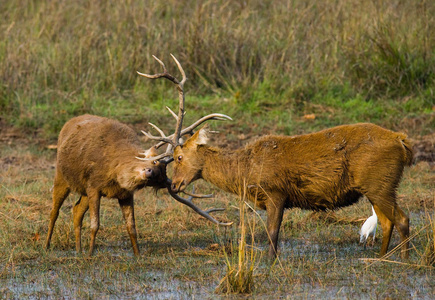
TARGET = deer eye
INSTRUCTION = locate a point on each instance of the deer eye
(155, 162)
(180, 158)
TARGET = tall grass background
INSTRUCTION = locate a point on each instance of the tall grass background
(265, 63)
(354, 60)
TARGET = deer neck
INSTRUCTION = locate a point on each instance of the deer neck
(223, 168)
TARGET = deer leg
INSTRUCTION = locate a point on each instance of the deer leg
(127, 208)
(79, 210)
(390, 216)
(404, 233)
(382, 194)
(275, 211)
(60, 192)
(387, 229)
(94, 211)
(401, 221)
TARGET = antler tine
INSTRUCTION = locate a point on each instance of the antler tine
(155, 76)
(165, 73)
(160, 156)
(180, 87)
(172, 113)
(181, 70)
(175, 139)
(160, 62)
(193, 195)
(201, 212)
(163, 140)
(158, 129)
(215, 116)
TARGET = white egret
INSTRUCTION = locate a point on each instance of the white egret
(369, 228)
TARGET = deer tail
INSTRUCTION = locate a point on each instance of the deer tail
(409, 153)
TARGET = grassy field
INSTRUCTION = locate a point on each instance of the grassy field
(288, 68)
(184, 256)
(345, 61)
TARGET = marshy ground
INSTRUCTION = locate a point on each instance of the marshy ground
(182, 254)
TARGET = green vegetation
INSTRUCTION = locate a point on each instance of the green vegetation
(347, 61)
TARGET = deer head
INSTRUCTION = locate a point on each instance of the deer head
(188, 161)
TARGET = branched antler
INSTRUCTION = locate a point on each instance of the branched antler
(180, 87)
(188, 202)
(174, 139)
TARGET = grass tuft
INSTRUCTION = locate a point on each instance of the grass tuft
(240, 267)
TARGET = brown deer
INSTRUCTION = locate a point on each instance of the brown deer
(97, 157)
(102, 157)
(325, 170)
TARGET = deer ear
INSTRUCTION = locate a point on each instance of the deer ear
(199, 138)
(202, 136)
(151, 152)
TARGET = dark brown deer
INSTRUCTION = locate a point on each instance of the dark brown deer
(325, 170)
(103, 157)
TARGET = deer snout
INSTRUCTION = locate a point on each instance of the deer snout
(149, 173)
(177, 187)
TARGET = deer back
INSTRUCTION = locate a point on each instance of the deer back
(102, 153)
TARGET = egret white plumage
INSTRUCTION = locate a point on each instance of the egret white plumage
(369, 228)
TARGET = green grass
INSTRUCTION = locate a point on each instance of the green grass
(61, 59)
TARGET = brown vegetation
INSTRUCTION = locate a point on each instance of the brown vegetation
(320, 171)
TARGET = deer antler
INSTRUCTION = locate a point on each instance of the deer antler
(174, 139)
(188, 130)
(188, 202)
(180, 87)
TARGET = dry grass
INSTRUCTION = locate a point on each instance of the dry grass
(182, 254)
(59, 59)
(239, 277)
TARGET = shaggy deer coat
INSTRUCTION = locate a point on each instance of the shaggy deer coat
(325, 170)
(97, 157)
